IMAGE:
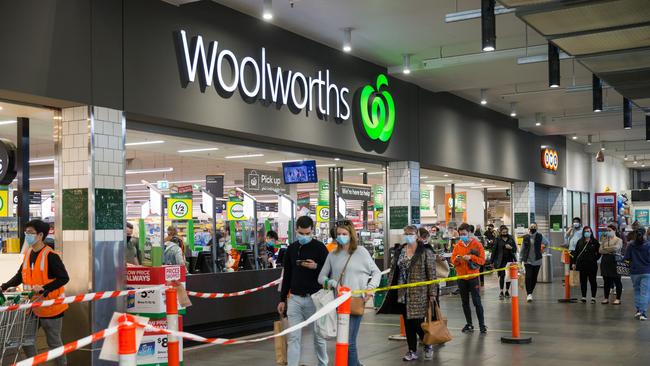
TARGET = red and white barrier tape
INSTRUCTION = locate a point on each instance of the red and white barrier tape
(217, 295)
(76, 299)
(223, 341)
(67, 348)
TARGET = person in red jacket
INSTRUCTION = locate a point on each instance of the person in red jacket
(468, 257)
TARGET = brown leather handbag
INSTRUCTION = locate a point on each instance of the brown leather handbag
(435, 331)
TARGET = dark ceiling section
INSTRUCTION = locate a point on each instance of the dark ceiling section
(609, 37)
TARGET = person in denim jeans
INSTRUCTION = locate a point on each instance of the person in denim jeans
(638, 254)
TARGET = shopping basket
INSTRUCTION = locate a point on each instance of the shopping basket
(17, 328)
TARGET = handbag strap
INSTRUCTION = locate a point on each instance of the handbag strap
(344, 268)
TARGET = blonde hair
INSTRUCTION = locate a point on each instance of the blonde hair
(353, 237)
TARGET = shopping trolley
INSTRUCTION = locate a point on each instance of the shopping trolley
(17, 328)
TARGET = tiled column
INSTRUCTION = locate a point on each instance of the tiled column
(403, 197)
(523, 204)
(557, 207)
(89, 174)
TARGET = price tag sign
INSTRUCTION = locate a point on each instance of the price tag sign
(179, 208)
(322, 213)
(235, 211)
(4, 205)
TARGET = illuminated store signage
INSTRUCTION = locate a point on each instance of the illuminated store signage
(550, 159)
(379, 123)
(257, 79)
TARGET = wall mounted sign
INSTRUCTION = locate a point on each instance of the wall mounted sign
(550, 159)
(257, 79)
(323, 193)
(377, 110)
(7, 162)
(353, 191)
(263, 181)
(378, 197)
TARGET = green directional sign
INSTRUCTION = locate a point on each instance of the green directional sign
(377, 110)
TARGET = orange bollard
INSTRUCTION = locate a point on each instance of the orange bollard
(566, 259)
(343, 331)
(514, 293)
(173, 348)
(402, 331)
(127, 350)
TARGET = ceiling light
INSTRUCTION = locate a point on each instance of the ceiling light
(625, 158)
(602, 147)
(42, 160)
(267, 9)
(488, 25)
(337, 159)
(424, 177)
(199, 150)
(588, 140)
(353, 169)
(627, 113)
(347, 39)
(324, 165)
(483, 96)
(6, 122)
(513, 109)
(0, 107)
(445, 175)
(41, 178)
(188, 181)
(243, 156)
(553, 66)
(574, 137)
(543, 147)
(147, 171)
(144, 143)
(538, 124)
(406, 63)
(596, 93)
(438, 181)
(283, 161)
(482, 180)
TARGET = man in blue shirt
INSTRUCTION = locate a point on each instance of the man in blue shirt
(574, 233)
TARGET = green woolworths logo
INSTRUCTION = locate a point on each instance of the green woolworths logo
(380, 124)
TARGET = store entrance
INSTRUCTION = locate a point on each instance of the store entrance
(194, 193)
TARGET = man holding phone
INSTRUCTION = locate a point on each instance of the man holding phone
(303, 261)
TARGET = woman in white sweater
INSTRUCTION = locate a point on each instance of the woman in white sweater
(350, 265)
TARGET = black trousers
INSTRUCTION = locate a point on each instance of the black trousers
(502, 280)
(413, 329)
(467, 288)
(531, 277)
(591, 276)
(613, 281)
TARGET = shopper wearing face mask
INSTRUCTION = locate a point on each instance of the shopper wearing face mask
(574, 233)
(303, 261)
(355, 268)
(43, 273)
(468, 257)
(638, 255)
(585, 259)
(610, 246)
(414, 262)
(531, 257)
(505, 251)
(132, 250)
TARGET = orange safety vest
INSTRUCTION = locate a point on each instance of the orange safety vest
(37, 275)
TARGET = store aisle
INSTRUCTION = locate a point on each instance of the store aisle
(575, 334)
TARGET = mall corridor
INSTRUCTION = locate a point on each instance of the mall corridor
(563, 334)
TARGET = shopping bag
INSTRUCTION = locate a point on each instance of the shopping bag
(622, 267)
(522, 281)
(280, 342)
(574, 278)
(435, 331)
(326, 326)
(442, 268)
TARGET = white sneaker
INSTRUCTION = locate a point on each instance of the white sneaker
(643, 317)
(638, 315)
(529, 298)
(410, 356)
(428, 352)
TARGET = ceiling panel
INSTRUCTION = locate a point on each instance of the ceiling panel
(605, 41)
(634, 84)
(628, 60)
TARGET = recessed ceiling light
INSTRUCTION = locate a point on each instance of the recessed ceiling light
(445, 175)
(574, 137)
(199, 150)
(144, 143)
(538, 124)
(0, 107)
(243, 156)
(147, 171)
(482, 180)
(324, 165)
(337, 159)
(543, 147)
(283, 161)
(353, 169)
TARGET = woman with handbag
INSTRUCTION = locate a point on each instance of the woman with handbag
(585, 259)
(505, 251)
(351, 266)
(610, 248)
(415, 262)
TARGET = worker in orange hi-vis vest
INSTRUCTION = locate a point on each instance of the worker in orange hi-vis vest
(44, 274)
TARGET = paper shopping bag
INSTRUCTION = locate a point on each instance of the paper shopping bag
(574, 278)
(280, 342)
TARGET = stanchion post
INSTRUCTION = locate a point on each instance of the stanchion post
(402, 331)
(566, 259)
(343, 331)
(173, 349)
(514, 293)
(127, 350)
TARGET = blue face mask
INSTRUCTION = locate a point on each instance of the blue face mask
(343, 239)
(270, 243)
(410, 239)
(30, 239)
(303, 239)
(587, 234)
(464, 238)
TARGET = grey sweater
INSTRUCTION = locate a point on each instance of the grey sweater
(361, 274)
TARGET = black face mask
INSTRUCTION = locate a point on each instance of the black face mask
(128, 238)
(504, 235)
(533, 231)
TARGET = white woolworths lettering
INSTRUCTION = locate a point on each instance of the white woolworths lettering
(284, 86)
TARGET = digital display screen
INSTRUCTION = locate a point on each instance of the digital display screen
(300, 172)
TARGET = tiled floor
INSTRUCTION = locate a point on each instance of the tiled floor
(563, 335)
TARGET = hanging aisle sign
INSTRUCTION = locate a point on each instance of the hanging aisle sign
(263, 181)
(353, 191)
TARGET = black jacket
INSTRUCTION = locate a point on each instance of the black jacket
(300, 280)
(586, 255)
(502, 255)
(536, 244)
